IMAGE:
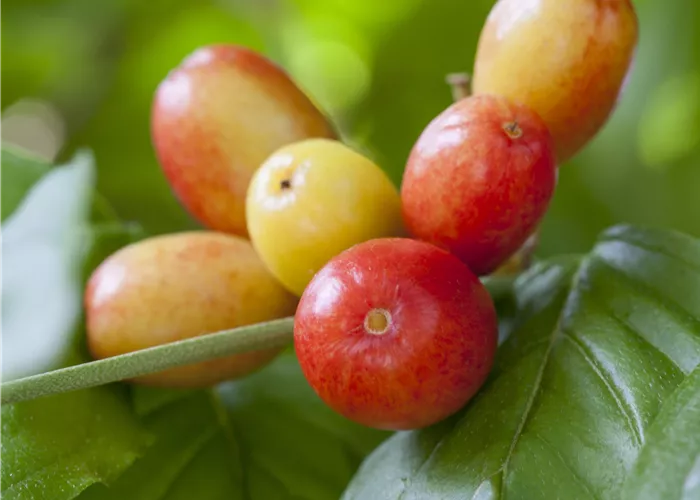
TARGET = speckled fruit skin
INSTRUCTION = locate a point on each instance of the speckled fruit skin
(336, 198)
(215, 118)
(566, 59)
(178, 286)
(472, 187)
(435, 354)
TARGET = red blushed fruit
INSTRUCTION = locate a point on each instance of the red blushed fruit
(479, 180)
(216, 118)
(395, 334)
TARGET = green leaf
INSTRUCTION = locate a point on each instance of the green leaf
(189, 436)
(55, 447)
(265, 437)
(669, 463)
(19, 172)
(44, 245)
(48, 246)
(291, 439)
(597, 349)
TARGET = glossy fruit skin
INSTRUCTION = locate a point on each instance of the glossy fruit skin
(336, 199)
(438, 348)
(566, 59)
(215, 118)
(472, 187)
(178, 286)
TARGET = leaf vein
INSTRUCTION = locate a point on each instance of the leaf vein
(671, 306)
(659, 251)
(610, 312)
(633, 422)
(566, 465)
(234, 445)
(201, 444)
(571, 297)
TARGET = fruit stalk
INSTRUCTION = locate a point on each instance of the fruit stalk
(267, 335)
(460, 84)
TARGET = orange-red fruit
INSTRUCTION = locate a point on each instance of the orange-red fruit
(216, 117)
(179, 286)
(395, 333)
(479, 180)
(566, 59)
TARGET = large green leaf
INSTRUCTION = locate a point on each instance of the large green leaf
(265, 437)
(598, 348)
(669, 464)
(55, 447)
(49, 244)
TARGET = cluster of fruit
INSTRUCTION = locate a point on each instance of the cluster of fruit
(393, 327)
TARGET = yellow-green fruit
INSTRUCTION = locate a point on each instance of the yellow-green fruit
(178, 286)
(565, 59)
(313, 199)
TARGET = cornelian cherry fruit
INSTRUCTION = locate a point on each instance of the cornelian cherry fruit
(479, 180)
(395, 333)
(178, 286)
(216, 117)
(566, 59)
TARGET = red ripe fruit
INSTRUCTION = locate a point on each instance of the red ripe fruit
(395, 333)
(479, 180)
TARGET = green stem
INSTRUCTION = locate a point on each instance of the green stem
(268, 335)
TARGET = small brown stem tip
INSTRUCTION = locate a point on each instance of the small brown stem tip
(285, 184)
(513, 129)
(460, 83)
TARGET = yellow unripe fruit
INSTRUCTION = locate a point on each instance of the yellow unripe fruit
(313, 199)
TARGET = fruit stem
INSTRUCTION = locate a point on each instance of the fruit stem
(460, 83)
(267, 335)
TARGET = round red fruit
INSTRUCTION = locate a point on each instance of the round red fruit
(395, 334)
(479, 180)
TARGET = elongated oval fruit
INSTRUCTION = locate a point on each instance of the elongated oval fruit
(178, 286)
(395, 333)
(313, 199)
(479, 180)
(215, 118)
(565, 59)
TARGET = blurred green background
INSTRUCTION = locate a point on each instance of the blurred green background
(82, 73)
